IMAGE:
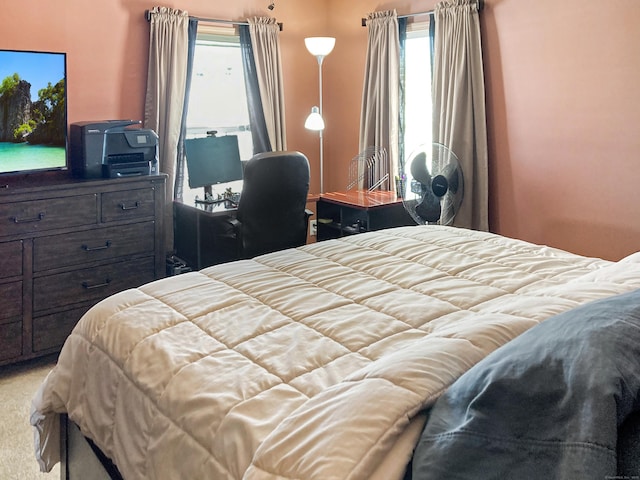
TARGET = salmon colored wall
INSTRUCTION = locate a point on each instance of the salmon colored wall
(562, 99)
(564, 116)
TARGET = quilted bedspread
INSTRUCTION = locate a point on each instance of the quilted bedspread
(308, 363)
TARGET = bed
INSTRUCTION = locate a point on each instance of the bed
(335, 360)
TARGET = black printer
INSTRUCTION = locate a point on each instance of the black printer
(112, 148)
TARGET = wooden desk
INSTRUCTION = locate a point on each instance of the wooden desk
(356, 211)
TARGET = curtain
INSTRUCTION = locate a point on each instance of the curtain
(379, 116)
(402, 37)
(459, 114)
(259, 132)
(166, 84)
(181, 156)
(266, 50)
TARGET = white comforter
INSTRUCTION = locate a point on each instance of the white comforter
(303, 364)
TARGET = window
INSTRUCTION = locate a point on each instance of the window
(217, 99)
(417, 101)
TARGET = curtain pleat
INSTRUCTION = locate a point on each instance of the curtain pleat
(379, 117)
(402, 36)
(181, 155)
(459, 112)
(259, 132)
(164, 101)
(266, 50)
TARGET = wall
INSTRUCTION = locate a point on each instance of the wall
(564, 116)
(561, 80)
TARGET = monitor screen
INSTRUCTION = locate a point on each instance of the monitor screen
(33, 111)
(213, 160)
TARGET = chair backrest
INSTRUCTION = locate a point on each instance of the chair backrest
(271, 210)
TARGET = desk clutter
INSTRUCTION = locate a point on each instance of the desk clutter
(227, 196)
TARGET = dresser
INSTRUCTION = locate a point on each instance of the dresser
(66, 244)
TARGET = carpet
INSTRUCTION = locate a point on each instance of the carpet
(18, 384)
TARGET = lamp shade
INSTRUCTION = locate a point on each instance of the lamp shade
(320, 46)
(314, 120)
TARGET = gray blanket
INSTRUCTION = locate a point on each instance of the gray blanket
(548, 405)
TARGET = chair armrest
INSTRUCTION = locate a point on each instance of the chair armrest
(308, 213)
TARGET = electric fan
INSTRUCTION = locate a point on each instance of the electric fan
(433, 185)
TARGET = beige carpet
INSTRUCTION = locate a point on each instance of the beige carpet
(17, 385)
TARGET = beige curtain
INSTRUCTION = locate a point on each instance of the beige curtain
(166, 84)
(459, 115)
(265, 40)
(380, 98)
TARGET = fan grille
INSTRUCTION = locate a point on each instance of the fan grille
(436, 185)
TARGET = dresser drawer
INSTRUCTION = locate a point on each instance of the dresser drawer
(90, 284)
(50, 331)
(10, 340)
(128, 204)
(10, 259)
(40, 215)
(93, 245)
(11, 301)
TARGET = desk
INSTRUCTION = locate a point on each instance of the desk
(202, 233)
(356, 211)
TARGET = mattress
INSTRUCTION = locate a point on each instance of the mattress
(307, 363)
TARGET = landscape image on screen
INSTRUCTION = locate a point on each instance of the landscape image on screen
(32, 111)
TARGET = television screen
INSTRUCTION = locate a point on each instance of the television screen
(33, 111)
(213, 160)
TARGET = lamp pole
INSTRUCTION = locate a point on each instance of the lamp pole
(320, 47)
(320, 59)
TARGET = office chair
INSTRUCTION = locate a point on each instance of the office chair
(272, 212)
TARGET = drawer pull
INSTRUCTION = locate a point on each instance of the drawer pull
(88, 286)
(87, 248)
(132, 207)
(28, 220)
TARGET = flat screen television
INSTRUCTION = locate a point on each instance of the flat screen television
(33, 111)
(213, 160)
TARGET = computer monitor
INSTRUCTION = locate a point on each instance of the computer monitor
(213, 160)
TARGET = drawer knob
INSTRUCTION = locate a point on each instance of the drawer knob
(129, 207)
(88, 286)
(28, 220)
(87, 248)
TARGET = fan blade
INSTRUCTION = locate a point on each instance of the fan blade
(429, 208)
(449, 209)
(419, 169)
(454, 181)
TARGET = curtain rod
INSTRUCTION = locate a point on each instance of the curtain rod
(148, 13)
(480, 4)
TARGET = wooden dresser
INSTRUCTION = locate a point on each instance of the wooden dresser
(67, 243)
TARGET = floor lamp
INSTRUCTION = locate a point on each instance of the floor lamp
(320, 47)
